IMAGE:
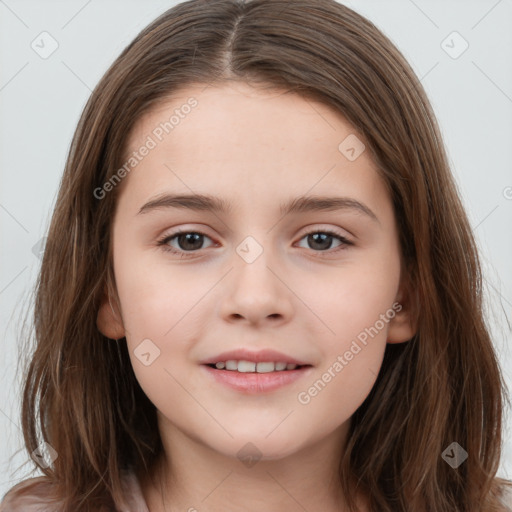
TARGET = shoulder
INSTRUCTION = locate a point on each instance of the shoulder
(505, 495)
(35, 495)
(32, 495)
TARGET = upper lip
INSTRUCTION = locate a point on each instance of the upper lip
(260, 356)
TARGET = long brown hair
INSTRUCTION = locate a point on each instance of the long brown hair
(443, 386)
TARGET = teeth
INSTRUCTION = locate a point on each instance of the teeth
(246, 366)
(231, 365)
(251, 367)
(265, 367)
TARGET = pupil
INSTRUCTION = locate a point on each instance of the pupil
(189, 238)
(317, 239)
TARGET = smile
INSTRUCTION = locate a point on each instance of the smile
(246, 377)
(251, 366)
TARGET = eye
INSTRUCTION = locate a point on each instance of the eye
(187, 241)
(321, 240)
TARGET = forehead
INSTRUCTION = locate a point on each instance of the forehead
(236, 136)
(249, 115)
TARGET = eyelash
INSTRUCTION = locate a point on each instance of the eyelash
(163, 242)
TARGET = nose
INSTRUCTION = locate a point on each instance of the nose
(256, 291)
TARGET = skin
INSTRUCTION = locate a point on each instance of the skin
(255, 149)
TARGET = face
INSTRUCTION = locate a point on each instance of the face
(303, 259)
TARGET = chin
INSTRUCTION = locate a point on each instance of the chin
(247, 447)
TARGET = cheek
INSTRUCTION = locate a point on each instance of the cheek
(153, 297)
(161, 315)
(335, 394)
(351, 299)
(358, 315)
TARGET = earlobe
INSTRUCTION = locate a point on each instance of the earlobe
(404, 324)
(108, 320)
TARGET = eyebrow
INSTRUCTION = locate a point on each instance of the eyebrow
(302, 204)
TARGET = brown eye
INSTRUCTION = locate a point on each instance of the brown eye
(183, 242)
(189, 241)
(323, 240)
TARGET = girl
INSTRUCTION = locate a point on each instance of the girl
(324, 347)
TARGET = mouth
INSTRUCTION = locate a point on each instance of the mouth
(253, 378)
(243, 366)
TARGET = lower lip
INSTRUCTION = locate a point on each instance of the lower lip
(254, 383)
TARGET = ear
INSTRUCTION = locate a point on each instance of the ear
(109, 321)
(403, 326)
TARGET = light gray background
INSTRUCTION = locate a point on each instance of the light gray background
(41, 100)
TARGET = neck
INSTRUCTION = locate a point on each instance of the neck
(193, 477)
